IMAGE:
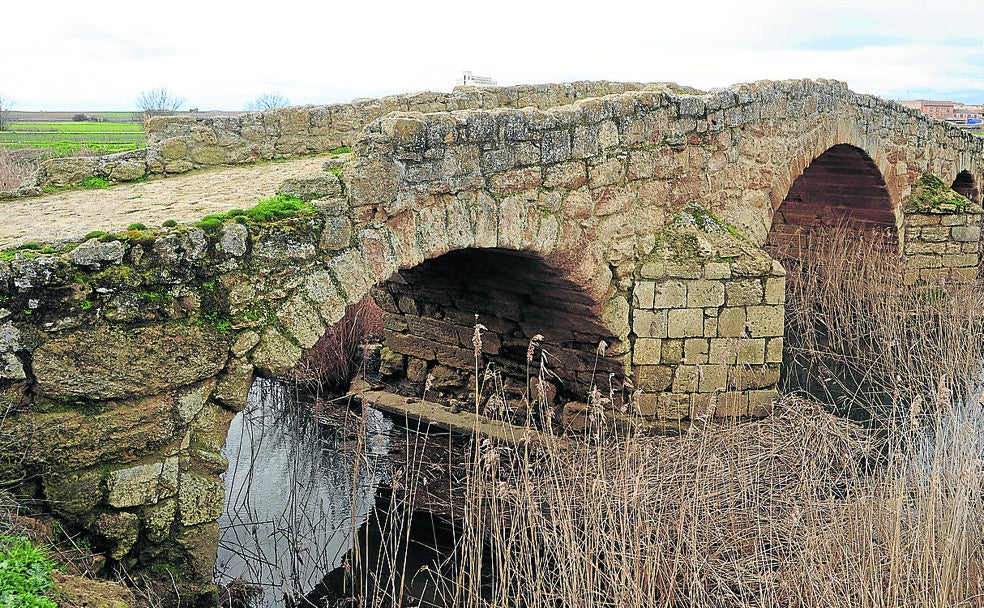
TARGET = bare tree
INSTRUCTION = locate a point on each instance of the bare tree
(158, 101)
(5, 105)
(268, 101)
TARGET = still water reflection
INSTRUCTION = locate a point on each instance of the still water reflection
(296, 492)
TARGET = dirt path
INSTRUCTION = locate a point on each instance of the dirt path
(185, 198)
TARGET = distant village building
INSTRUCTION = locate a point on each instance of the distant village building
(470, 80)
(963, 115)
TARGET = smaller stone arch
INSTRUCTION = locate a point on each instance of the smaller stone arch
(965, 184)
(841, 187)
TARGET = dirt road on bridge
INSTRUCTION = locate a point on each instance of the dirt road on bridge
(70, 215)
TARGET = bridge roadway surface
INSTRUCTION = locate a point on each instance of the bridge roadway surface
(71, 214)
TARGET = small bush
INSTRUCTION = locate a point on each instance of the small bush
(342, 150)
(169, 223)
(12, 172)
(137, 226)
(95, 234)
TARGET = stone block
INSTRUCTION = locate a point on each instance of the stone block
(110, 362)
(390, 362)
(455, 357)
(653, 270)
(685, 322)
(773, 350)
(555, 147)
(746, 292)
(685, 379)
(606, 173)
(143, 484)
(731, 404)
(964, 275)
(650, 323)
(731, 322)
(432, 329)
(764, 321)
(705, 294)
(647, 351)
(742, 377)
(717, 270)
(751, 352)
(922, 219)
(712, 378)
(301, 321)
(200, 499)
(695, 351)
(923, 247)
(570, 176)
(723, 351)
(760, 403)
(925, 261)
(666, 406)
(413, 346)
(775, 290)
(935, 234)
(959, 260)
(644, 294)
(74, 495)
(670, 294)
(672, 352)
(934, 275)
(518, 180)
(653, 378)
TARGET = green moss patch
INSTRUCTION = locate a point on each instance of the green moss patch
(931, 195)
(267, 210)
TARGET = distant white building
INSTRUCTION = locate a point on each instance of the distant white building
(470, 80)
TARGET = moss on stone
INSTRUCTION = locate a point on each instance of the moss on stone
(931, 195)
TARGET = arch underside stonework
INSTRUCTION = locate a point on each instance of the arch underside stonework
(431, 312)
(842, 188)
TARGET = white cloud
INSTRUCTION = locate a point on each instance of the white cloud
(219, 55)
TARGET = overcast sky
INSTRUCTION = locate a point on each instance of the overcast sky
(99, 55)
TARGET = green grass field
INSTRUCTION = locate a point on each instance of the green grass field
(68, 137)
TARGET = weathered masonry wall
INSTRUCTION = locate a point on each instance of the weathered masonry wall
(942, 245)
(177, 144)
(708, 322)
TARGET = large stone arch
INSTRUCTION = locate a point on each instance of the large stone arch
(840, 188)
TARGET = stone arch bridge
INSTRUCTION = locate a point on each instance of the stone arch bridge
(655, 219)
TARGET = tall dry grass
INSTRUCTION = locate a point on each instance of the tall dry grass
(860, 337)
(802, 509)
(333, 361)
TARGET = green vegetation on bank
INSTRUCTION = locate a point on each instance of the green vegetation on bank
(69, 137)
(25, 574)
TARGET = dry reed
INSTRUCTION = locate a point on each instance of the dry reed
(333, 361)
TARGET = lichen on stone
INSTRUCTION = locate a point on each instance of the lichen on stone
(931, 195)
